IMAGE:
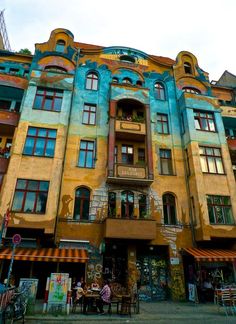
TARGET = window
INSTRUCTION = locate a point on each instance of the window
(82, 200)
(191, 90)
(92, 81)
(204, 121)
(162, 124)
(211, 160)
(141, 155)
(187, 68)
(127, 204)
(111, 204)
(219, 209)
(142, 202)
(115, 154)
(40, 142)
(169, 209)
(159, 91)
(89, 114)
(5, 104)
(60, 46)
(48, 99)
(115, 80)
(55, 68)
(86, 154)
(30, 196)
(166, 162)
(127, 81)
(13, 71)
(127, 58)
(127, 154)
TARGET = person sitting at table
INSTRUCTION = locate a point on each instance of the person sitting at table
(95, 285)
(80, 292)
(105, 297)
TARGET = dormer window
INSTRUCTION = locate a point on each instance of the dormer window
(60, 46)
(127, 58)
(127, 81)
(187, 68)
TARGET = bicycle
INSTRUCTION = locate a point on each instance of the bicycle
(15, 309)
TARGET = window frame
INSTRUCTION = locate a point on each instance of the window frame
(126, 204)
(91, 82)
(199, 120)
(126, 154)
(81, 200)
(57, 94)
(36, 138)
(213, 208)
(169, 201)
(164, 124)
(87, 111)
(165, 159)
(25, 192)
(205, 158)
(159, 90)
(86, 154)
(142, 206)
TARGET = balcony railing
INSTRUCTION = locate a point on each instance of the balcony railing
(10, 118)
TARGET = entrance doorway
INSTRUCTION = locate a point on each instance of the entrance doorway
(153, 267)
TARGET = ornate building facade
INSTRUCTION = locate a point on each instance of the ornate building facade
(115, 163)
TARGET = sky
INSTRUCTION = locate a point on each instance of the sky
(206, 28)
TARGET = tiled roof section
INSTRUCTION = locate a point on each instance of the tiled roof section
(160, 59)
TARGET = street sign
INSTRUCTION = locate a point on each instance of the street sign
(16, 239)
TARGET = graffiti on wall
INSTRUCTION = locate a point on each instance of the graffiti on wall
(177, 283)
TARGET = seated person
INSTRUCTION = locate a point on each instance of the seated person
(105, 296)
(80, 292)
(95, 285)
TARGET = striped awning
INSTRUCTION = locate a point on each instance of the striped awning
(45, 254)
(212, 254)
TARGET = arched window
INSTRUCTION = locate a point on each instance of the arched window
(60, 46)
(92, 81)
(127, 81)
(81, 208)
(187, 68)
(142, 201)
(159, 91)
(127, 204)
(169, 209)
(139, 83)
(191, 90)
(112, 204)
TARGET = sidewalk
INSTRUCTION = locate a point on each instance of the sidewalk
(161, 312)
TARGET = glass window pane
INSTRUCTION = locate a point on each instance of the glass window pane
(57, 104)
(48, 104)
(219, 165)
(42, 132)
(197, 124)
(130, 150)
(21, 184)
(228, 215)
(83, 144)
(32, 131)
(52, 133)
(18, 201)
(50, 146)
(77, 209)
(33, 185)
(38, 102)
(159, 127)
(211, 214)
(92, 119)
(39, 147)
(89, 160)
(204, 124)
(90, 145)
(82, 159)
(211, 125)
(203, 164)
(44, 185)
(29, 202)
(209, 151)
(95, 84)
(211, 164)
(85, 117)
(85, 211)
(88, 84)
(29, 145)
(41, 202)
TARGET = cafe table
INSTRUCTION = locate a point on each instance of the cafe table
(89, 302)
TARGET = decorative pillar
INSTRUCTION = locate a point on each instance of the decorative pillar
(111, 138)
(149, 143)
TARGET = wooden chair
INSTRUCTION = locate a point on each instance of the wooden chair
(125, 306)
(224, 299)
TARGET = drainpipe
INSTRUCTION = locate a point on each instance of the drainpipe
(64, 155)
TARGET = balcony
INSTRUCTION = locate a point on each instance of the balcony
(128, 174)
(130, 127)
(137, 229)
(231, 143)
(9, 118)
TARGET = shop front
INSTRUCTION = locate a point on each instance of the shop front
(209, 269)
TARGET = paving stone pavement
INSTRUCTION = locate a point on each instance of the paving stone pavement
(152, 312)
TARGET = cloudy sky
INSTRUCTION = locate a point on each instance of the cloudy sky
(206, 28)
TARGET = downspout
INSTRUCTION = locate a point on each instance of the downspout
(64, 155)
